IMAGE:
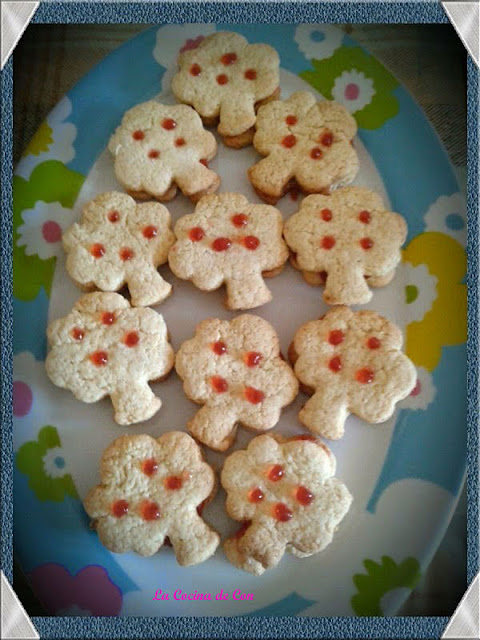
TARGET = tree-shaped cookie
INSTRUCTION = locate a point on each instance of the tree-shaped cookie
(307, 144)
(236, 371)
(225, 79)
(150, 490)
(229, 241)
(104, 347)
(286, 495)
(346, 241)
(158, 148)
(120, 242)
(351, 362)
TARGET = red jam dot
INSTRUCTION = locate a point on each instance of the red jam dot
(364, 216)
(150, 510)
(289, 141)
(327, 139)
(326, 215)
(281, 512)
(366, 243)
(138, 135)
(126, 254)
(99, 358)
(327, 242)
(239, 220)
(228, 58)
(219, 348)
(316, 153)
(78, 334)
(195, 69)
(179, 142)
(252, 358)
(323, 276)
(153, 154)
(219, 384)
(365, 376)
(291, 120)
(108, 317)
(51, 231)
(373, 343)
(150, 467)
(250, 74)
(251, 242)
(255, 495)
(196, 234)
(241, 530)
(149, 232)
(114, 216)
(97, 250)
(254, 396)
(304, 496)
(335, 364)
(336, 337)
(275, 473)
(172, 483)
(304, 436)
(204, 161)
(131, 339)
(169, 124)
(222, 79)
(221, 244)
(120, 508)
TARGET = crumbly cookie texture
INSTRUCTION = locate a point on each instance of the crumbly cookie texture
(118, 242)
(345, 240)
(104, 347)
(286, 495)
(158, 148)
(306, 144)
(235, 370)
(224, 79)
(229, 241)
(150, 490)
(352, 363)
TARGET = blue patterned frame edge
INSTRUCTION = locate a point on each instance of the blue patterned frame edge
(237, 627)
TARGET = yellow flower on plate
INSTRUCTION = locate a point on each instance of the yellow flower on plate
(41, 141)
(446, 322)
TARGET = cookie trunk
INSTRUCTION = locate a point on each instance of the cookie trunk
(147, 288)
(247, 292)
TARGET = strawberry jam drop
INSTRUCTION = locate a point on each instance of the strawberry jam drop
(316, 153)
(219, 348)
(222, 79)
(275, 473)
(131, 339)
(373, 343)
(365, 376)
(153, 154)
(326, 215)
(281, 512)
(138, 135)
(99, 358)
(250, 74)
(114, 216)
(180, 142)
(78, 334)
(253, 358)
(219, 384)
(120, 508)
(108, 317)
(97, 250)
(366, 243)
(291, 120)
(204, 161)
(251, 242)
(335, 364)
(254, 396)
(195, 70)
(126, 254)
(150, 467)
(364, 216)
(336, 337)
(327, 139)
(327, 242)
(221, 244)
(304, 436)
(289, 141)
(241, 530)
(172, 483)
(150, 510)
(196, 234)
(304, 496)
(149, 232)
(169, 124)
(228, 58)
(255, 495)
(239, 220)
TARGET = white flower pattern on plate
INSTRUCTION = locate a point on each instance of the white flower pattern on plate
(318, 41)
(54, 463)
(423, 394)
(42, 229)
(448, 215)
(419, 290)
(354, 90)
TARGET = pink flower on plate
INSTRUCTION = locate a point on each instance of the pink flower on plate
(88, 592)
(192, 44)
